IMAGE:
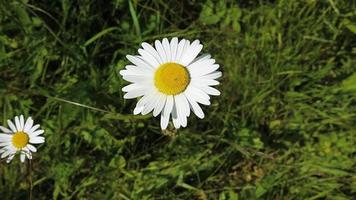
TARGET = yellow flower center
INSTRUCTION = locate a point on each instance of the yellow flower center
(171, 78)
(20, 139)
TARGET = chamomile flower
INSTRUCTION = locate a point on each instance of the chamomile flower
(171, 80)
(19, 138)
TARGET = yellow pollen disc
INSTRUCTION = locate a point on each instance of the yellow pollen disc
(20, 139)
(171, 78)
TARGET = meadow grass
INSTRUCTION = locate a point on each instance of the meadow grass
(283, 128)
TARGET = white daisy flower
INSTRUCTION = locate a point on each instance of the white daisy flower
(171, 79)
(19, 138)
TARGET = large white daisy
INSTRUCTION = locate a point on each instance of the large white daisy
(19, 138)
(171, 79)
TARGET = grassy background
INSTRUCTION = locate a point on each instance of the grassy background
(283, 128)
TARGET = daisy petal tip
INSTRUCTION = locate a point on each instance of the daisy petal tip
(137, 110)
(121, 72)
(216, 93)
(126, 95)
(155, 114)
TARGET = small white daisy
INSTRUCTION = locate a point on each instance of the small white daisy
(19, 138)
(171, 79)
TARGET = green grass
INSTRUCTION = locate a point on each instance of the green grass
(283, 128)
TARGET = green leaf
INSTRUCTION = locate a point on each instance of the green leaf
(209, 15)
(99, 35)
(349, 25)
(233, 195)
(135, 18)
(22, 15)
(118, 162)
(260, 191)
(349, 84)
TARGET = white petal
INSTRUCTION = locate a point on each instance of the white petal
(12, 148)
(148, 108)
(160, 51)
(180, 50)
(160, 104)
(131, 87)
(135, 93)
(17, 122)
(134, 67)
(151, 102)
(22, 122)
(5, 130)
(136, 60)
(28, 124)
(182, 104)
(29, 155)
(12, 126)
(169, 105)
(207, 70)
(183, 120)
(202, 68)
(204, 82)
(7, 153)
(167, 49)
(37, 140)
(184, 51)
(22, 157)
(213, 75)
(36, 133)
(147, 47)
(138, 79)
(197, 95)
(186, 104)
(164, 120)
(33, 129)
(167, 112)
(176, 121)
(136, 71)
(195, 107)
(210, 90)
(27, 152)
(203, 57)
(182, 109)
(141, 103)
(31, 148)
(138, 110)
(2, 150)
(149, 58)
(4, 144)
(191, 53)
(174, 46)
(8, 160)
(5, 137)
(201, 62)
